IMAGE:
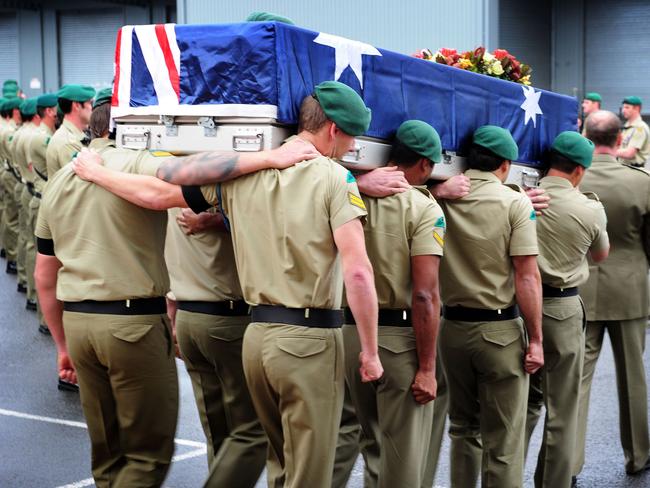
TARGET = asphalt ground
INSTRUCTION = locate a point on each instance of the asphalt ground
(44, 443)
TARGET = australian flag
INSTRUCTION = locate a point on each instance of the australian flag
(265, 69)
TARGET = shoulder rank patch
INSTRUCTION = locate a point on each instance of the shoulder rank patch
(515, 187)
(160, 154)
(356, 201)
(438, 239)
(533, 215)
(440, 222)
(350, 178)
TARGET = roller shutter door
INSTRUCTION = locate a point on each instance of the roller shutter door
(9, 59)
(617, 43)
(87, 45)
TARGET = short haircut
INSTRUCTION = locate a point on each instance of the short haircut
(312, 117)
(100, 121)
(602, 128)
(402, 155)
(560, 162)
(6, 113)
(65, 105)
(26, 118)
(483, 159)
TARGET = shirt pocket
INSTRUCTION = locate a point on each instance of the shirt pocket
(561, 311)
(397, 344)
(301, 346)
(503, 337)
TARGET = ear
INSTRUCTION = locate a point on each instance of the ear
(333, 130)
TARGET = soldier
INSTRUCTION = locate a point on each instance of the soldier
(101, 279)
(75, 101)
(10, 178)
(37, 146)
(591, 103)
(10, 89)
(406, 265)
(573, 227)
(24, 192)
(616, 294)
(635, 143)
(489, 268)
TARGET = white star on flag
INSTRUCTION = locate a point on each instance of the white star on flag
(348, 53)
(531, 105)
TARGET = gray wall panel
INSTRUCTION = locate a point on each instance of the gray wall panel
(9, 60)
(399, 26)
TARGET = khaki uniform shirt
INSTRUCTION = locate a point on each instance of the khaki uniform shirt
(485, 228)
(109, 248)
(64, 143)
(572, 225)
(36, 155)
(6, 136)
(636, 134)
(282, 225)
(617, 288)
(398, 227)
(19, 148)
(202, 265)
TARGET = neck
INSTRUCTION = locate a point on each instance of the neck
(633, 117)
(561, 174)
(605, 150)
(50, 123)
(316, 140)
(74, 120)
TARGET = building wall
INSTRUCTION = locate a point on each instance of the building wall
(398, 26)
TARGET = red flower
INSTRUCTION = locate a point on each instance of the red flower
(446, 52)
(501, 53)
(479, 52)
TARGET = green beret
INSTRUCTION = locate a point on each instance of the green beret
(578, 149)
(421, 138)
(497, 140)
(594, 97)
(47, 100)
(10, 88)
(76, 93)
(268, 17)
(343, 106)
(103, 96)
(632, 101)
(28, 107)
(12, 103)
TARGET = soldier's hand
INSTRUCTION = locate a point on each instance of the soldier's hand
(382, 182)
(66, 368)
(455, 187)
(191, 223)
(371, 368)
(534, 358)
(538, 199)
(424, 386)
(291, 153)
(86, 164)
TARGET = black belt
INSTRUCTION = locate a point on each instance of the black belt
(32, 190)
(227, 308)
(307, 317)
(16, 175)
(388, 317)
(466, 314)
(43, 177)
(134, 306)
(552, 292)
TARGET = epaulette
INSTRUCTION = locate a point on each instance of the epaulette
(591, 195)
(643, 170)
(160, 154)
(424, 190)
(515, 187)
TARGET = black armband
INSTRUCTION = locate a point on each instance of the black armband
(45, 246)
(195, 199)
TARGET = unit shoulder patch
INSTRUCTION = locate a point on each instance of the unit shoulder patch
(643, 170)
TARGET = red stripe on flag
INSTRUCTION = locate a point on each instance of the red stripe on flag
(169, 59)
(116, 81)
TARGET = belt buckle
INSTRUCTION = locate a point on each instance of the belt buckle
(404, 315)
(231, 304)
(307, 313)
(128, 303)
(498, 311)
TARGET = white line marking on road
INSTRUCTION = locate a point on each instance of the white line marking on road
(82, 425)
(79, 484)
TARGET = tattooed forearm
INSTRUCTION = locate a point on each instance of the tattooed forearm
(200, 169)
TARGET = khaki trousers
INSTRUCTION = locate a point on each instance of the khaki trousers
(488, 390)
(10, 216)
(129, 394)
(348, 445)
(557, 387)
(211, 347)
(394, 425)
(295, 378)
(30, 254)
(438, 428)
(23, 209)
(628, 344)
(27, 241)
